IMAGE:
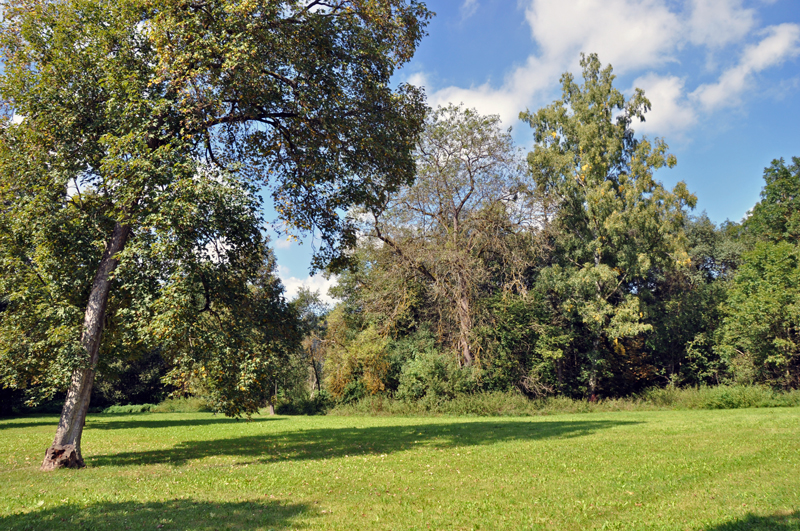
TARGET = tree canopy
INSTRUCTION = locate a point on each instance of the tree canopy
(614, 223)
(137, 136)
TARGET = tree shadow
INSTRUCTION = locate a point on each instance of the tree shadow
(338, 442)
(110, 421)
(751, 522)
(107, 422)
(49, 421)
(171, 514)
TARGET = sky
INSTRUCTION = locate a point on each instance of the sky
(723, 77)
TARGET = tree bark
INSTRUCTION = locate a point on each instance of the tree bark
(66, 448)
(464, 323)
(593, 375)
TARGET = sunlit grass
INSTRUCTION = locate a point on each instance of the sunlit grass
(713, 470)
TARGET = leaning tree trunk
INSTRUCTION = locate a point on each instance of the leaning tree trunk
(66, 448)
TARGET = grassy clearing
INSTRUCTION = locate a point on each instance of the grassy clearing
(712, 470)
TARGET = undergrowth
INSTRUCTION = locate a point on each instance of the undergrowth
(500, 404)
(135, 408)
(191, 404)
(515, 404)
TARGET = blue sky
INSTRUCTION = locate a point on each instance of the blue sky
(723, 77)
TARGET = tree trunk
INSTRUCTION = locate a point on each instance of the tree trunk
(593, 374)
(66, 448)
(273, 399)
(464, 324)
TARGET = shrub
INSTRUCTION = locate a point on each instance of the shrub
(434, 377)
(191, 404)
(359, 367)
(515, 404)
(133, 408)
(721, 397)
(317, 405)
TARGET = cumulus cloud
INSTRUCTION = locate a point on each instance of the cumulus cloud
(642, 37)
(627, 33)
(517, 92)
(671, 111)
(418, 79)
(716, 23)
(781, 42)
(313, 282)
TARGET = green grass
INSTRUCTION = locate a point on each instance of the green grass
(720, 470)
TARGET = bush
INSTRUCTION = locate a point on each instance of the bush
(433, 377)
(515, 404)
(133, 408)
(191, 404)
(720, 397)
(360, 367)
(318, 405)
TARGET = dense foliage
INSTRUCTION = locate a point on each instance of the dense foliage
(136, 140)
(138, 137)
(580, 275)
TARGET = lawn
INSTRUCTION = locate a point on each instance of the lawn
(712, 470)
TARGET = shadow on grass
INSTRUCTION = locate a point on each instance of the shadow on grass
(108, 422)
(172, 514)
(6, 424)
(338, 442)
(752, 522)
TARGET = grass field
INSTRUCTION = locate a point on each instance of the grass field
(712, 470)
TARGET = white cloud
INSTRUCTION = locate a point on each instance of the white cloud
(468, 8)
(517, 92)
(418, 79)
(639, 37)
(283, 243)
(716, 23)
(781, 43)
(626, 33)
(313, 282)
(671, 111)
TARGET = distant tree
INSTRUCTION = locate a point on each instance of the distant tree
(311, 312)
(129, 179)
(614, 222)
(446, 228)
(135, 380)
(684, 306)
(761, 330)
(777, 216)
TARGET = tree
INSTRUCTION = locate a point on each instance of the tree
(311, 311)
(464, 203)
(136, 137)
(685, 306)
(777, 216)
(614, 222)
(761, 329)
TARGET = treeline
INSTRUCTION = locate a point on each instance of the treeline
(569, 271)
(573, 272)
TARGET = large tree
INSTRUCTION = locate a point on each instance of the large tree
(615, 223)
(447, 228)
(136, 137)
